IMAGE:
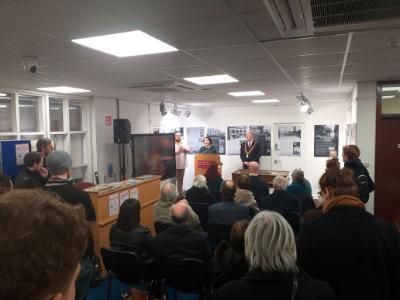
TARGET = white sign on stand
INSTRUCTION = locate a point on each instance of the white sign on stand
(134, 193)
(113, 204)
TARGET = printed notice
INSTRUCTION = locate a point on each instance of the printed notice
(20, 151)
(113, 204)
(134, 193)
(123, 196)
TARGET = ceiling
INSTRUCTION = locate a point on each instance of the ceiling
(236, 37)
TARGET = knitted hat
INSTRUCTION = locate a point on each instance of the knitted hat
(58, 162)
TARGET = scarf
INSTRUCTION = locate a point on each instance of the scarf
(344, 200)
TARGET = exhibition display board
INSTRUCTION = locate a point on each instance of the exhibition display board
(268, 175)
(108, 198)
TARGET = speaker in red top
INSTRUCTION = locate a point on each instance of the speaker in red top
(122, 131)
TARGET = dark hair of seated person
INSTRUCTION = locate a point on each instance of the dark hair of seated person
(129, 214)
(211, 173)
(236, 238)
(339, 182)
(5, 183)
(32, 158)
(244, 182)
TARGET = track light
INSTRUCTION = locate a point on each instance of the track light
(175, 111)
(163, 110)
(305, 104)
(187, 113)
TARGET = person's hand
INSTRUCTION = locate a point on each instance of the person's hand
(43, 172)
(187, 150)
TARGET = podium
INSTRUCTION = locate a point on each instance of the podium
(203, 161)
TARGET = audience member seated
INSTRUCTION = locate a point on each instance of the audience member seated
(33, 175)
(161, 212)
(230, 262)
(59, 164)
(214, 179)
(181, 240)
(301, 188)
(243, 194)
(259, 186)
(357, 253)
(5, 183)
(270, 249)
(41, 243)
(199, 192)
(280, 200)
(127, 234)
(227, 211)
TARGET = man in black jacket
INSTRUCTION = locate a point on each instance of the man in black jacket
(259, 185)
(181, 240)
(33, 175)
(59, 164)
(250, 150)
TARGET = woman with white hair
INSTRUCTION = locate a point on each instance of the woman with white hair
(199, 192)
(270, 249)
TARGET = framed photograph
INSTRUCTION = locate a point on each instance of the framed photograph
(326, 140)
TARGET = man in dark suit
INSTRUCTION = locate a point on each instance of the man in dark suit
(259, 185)
(227, 211)
(181, 240)
(280, 200)
(250, 150)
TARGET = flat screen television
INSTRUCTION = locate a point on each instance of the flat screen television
(154, 154)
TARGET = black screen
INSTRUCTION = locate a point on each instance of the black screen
(154, 154)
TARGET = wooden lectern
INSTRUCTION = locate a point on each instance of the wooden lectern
(203, 161)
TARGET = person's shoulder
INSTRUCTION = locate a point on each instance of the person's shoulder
(231, 290)
(310, 289)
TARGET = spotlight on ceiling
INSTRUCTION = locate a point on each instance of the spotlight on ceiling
(163, 110)
(175, 111)
(187, 113)
(305, 104)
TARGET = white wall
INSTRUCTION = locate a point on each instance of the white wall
(329, 113)
(366, 129)
(105, 151)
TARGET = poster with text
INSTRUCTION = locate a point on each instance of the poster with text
(113, 204)
(194, 137)
(218, 139)
(326, 140)
(289, 140)
(236, 136)
(351, 133)
(262, 135)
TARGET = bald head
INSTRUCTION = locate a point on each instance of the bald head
(228, 190)
(180, 213)
(168, 193)
(254, 167)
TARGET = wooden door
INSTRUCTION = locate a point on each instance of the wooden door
(387, 194)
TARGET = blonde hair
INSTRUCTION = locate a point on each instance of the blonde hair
(270, 244)
(200, 181)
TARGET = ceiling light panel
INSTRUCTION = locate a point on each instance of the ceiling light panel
(246, 93)
(64, 90)
(126, 44)
(266, 101)
(213, 79)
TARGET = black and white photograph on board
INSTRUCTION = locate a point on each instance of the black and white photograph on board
(236, 136)
(289, 140)
(194, 137)
(218, 139)
(262, 135)
(326, 140)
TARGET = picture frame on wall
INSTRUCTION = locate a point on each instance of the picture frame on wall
(326, 140)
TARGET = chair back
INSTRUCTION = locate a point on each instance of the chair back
(217, 233)
(293, 218)
(124, 265)
(160, 227)
(183, 274)
(201, 209)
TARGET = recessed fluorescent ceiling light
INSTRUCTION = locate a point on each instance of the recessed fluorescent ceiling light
(388, 97)
(266, 101)
(63, 89)
(247, 93)
(3, 105)
(125, 44)
(213, 79)
(391, 89)
(3, 95)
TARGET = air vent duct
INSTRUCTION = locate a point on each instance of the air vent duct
(166, 86)
(293, 18)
